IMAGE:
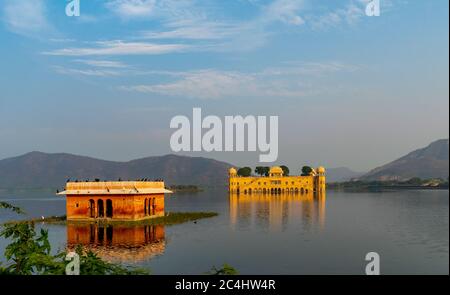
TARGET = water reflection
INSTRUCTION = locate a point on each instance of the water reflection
(275, 212)
(118, 243)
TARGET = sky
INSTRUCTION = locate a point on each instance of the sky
(349, 90)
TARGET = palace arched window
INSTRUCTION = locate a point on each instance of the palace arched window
(91, 208)
(109, 208)
(101, 209)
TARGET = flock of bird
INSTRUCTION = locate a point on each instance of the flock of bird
(98, 180)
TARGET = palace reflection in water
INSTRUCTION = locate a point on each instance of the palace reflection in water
(275, 212)
(118, 243)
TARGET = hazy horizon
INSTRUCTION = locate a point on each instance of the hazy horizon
(297, 165)
(350, 90)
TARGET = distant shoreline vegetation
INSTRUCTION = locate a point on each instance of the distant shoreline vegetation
(170, 218)
(374, 186)
(182, 188)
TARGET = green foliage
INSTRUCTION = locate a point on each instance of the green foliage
(91, 264)
(4, 205)
(414, 181)
(244, 172)
(49, 220)
(185, 188)
(306, 170)
(30, 253)
(377, 185)
(259, 170)
(171, 218)
(285, 170)
(262, 171)
(224, 270)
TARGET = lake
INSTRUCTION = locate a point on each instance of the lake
(287, 234)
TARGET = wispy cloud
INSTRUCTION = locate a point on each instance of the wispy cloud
(348, 15)
(86, 72)
(179, 23)
(191, 27)
(289, 81)
(194, 31)
(96, 68)
(119, 47)
(132, 8)
(316, 69)
(207, 84)
(183, 20)
(102, 63)
(286, 11)
(26, 17)
(61, 40)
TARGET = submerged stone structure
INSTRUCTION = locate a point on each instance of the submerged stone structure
(114, 200)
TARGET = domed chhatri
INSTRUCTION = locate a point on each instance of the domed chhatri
(321, 170)
(277, 183)
(232, 171)
(276, 171)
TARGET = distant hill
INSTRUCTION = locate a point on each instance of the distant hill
(428, 162)
(42, 170)
(341, 174)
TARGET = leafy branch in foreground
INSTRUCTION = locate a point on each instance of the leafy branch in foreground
(91, 264)
(4, 205)
(30, 253)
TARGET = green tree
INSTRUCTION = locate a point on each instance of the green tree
(30, 253)
(4, 205)
(260, 170)
(414, 181)
(285, 170)
(244, 172)
(306, 170)
(266, 171)
(91, 264)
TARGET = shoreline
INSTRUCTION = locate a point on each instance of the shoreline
(375, 189)
(171, 218)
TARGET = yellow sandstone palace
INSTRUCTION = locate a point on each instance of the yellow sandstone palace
(277, 183)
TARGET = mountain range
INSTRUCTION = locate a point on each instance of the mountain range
(425, 163)
(341, 174)
(42, 170)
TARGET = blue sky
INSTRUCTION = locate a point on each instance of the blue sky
(349, 90)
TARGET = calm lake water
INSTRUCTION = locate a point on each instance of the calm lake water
(272, 235)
